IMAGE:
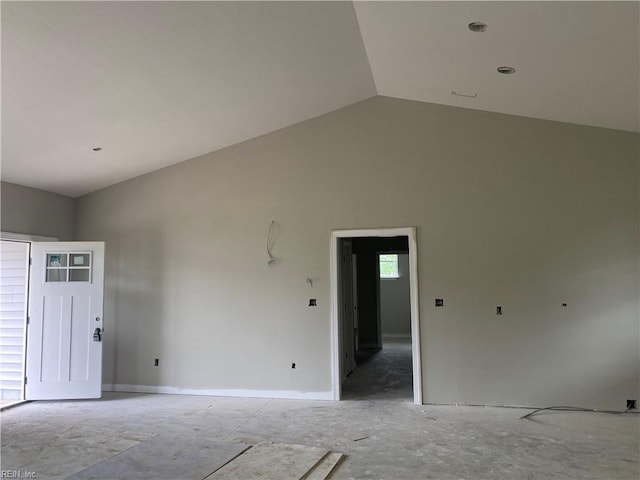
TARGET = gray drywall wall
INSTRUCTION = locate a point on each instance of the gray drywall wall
(522, 213)
(395, 303)
(36, 212)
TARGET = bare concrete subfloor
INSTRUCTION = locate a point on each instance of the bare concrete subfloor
(390, 439)
(385, 374)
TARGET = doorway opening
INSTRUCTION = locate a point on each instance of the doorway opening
(374, 320)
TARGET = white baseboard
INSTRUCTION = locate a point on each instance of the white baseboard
(289, 394)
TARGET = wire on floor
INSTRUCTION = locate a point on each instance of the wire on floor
(579, 409)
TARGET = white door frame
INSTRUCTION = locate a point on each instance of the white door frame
(410, 233)
(25, 237)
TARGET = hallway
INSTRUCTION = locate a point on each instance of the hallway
(382, 374)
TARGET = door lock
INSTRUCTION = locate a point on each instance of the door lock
(97, 335)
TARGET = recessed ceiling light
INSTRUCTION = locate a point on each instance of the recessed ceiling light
(478, 27)
(506, 70)
(97, 149)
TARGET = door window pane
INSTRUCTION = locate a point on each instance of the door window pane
(68, 267)
(79, 275)
(79, 260)
(56, 275)
(56, 260)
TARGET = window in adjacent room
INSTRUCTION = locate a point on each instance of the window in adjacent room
(389, 265)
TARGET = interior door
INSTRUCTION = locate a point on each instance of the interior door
(348, 340)
(354, 296)
(64, 330)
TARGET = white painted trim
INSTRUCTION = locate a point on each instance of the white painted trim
(14, 404)
(25, 237)
(336, 337)
(416, 337)
(288, 394)
(410, 233)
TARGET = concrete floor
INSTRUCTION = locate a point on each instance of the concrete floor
(382, 375)
(382, 438)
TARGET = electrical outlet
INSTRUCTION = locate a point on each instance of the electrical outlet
(156, 362)
(631, 405)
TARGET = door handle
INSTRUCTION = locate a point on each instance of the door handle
(97, 335)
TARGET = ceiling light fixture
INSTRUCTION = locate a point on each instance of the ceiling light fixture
(478, 27)
(97, 149)
(506, 70)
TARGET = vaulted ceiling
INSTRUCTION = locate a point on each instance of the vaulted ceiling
(157, 83)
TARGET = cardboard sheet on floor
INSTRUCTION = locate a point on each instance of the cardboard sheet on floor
(164, 457)
(327, 465)
(271, 461)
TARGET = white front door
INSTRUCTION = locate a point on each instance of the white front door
(64, 332)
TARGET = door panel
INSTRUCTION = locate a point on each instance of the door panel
(64, 360)
(81, 338)
(51, 320)
(354, 296)
(346, 300)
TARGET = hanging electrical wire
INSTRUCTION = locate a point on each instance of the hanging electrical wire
(271, 237)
